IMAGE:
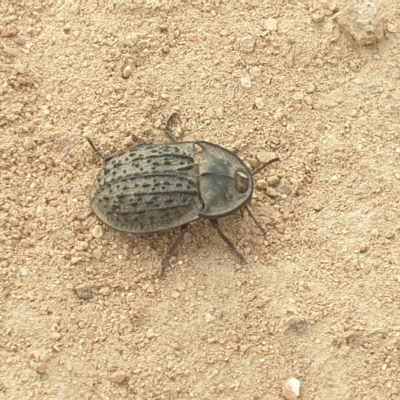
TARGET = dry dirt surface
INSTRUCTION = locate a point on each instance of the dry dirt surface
(83, 312)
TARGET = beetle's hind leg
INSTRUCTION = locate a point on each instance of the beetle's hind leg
(172, 249)
(174, 118)
(215, 224)
(255, 220)
(98, 152)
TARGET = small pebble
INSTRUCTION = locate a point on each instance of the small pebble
(39, 211)
(41, 368)
(56, 336)
(273, 180)
(97, 253)
(279, 115)
(67, 28)
(20, 41)
(230, 93)
(119, 376)
(84, 291)
(271, 24)
(75, 260)
(265, 156)
(247, 44)
(296, 324)
(20, 69)
(280, 228)
(317, 18)
(7, 32)
(209, 318)
(105, 291)
(284, 187)
(298, 96)
(309, 100)
(259, 102)
(291, 389)
(392, 28)
(389, 235)
(255, 71)
(363, 21)
(150, 334)
(220, 112)
(271, 192)
(29, 144)
(310, 88)
(127, 71)
(81, 245)
(98, 231)
(74, 9)
(290, 60)
(261, 184)
(175, 294)
(245, 82)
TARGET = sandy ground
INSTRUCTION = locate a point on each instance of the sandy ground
(83, 313)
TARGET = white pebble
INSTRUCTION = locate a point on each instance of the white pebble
(126, 73)
(220, 112)
(150, 334)
(259, 102)
(271, 24)
(209, 318)
(291, 389)
(245, 82)
(255, 71)
(298, 96)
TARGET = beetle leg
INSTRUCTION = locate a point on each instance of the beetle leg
(173, 117)
(255, 221)
(98, 152)
(172, 249)
(215, 224)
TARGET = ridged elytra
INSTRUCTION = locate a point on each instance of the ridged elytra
(155, 187)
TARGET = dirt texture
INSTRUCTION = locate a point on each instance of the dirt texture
(83, 312)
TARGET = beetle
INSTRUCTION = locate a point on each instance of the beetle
(150, 187)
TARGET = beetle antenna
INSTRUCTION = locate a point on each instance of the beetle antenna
(265, 165)
(98, 152)
(255, 221)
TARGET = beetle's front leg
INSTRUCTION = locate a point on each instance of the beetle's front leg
(215, 224)
(172, 249)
